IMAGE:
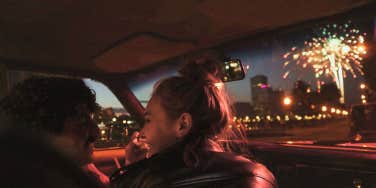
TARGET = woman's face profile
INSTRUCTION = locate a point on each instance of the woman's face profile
(159, 128)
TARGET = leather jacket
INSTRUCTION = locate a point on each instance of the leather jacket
(167, 169)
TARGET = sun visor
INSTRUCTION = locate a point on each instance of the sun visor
(142, 51)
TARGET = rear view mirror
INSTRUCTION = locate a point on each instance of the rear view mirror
(232, 70)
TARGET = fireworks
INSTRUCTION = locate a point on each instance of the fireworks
(335, 50)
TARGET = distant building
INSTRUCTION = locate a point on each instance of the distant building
(260, 91)
(275, 98)
(265, 100)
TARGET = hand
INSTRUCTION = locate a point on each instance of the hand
(137, 149)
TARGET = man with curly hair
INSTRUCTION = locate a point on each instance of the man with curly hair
(62, 109)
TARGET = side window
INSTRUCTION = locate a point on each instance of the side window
(114, 122)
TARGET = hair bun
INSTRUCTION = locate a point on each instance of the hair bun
(202, 69)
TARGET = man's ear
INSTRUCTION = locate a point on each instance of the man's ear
(184, 125)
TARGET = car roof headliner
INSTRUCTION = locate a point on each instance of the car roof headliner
(125, 36)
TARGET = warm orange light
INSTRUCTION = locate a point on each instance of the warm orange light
(363, 97)
(345, 113)
(358, 137)
(362, 86)
(333, 110)
(324, 108)
(287, 101)
(338, 111)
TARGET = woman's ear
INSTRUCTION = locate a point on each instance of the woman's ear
(184, 125)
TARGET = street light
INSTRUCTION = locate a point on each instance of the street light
(363, 97)
(287, 101)
(363, 86)
(103, 132)
(345, 113)
(333, 110)
(338, 111)
(324, 108)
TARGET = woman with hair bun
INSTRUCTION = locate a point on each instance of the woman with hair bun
(179, 146)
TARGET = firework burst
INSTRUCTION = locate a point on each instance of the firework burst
(335, 51)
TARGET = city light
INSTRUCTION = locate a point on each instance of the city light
(287, 101)
(287, 118)
(308, 117)
(101, 125)
(345, 113)
(338, 111)
(233, 64)
(363, 86)
(103, 132)
(114, 119)
(333, 110)
(363, 97)
(298, 117)
(262, 86)
(364, 101)
(324, 108)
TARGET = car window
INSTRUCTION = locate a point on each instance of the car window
(114, 121)
(301, 83)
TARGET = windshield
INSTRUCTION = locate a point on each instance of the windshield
(301, 84)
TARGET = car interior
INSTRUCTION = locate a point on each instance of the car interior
(121, 48)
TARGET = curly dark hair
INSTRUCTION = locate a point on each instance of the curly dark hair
(44, 103)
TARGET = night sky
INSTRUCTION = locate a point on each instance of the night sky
(267, 60)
